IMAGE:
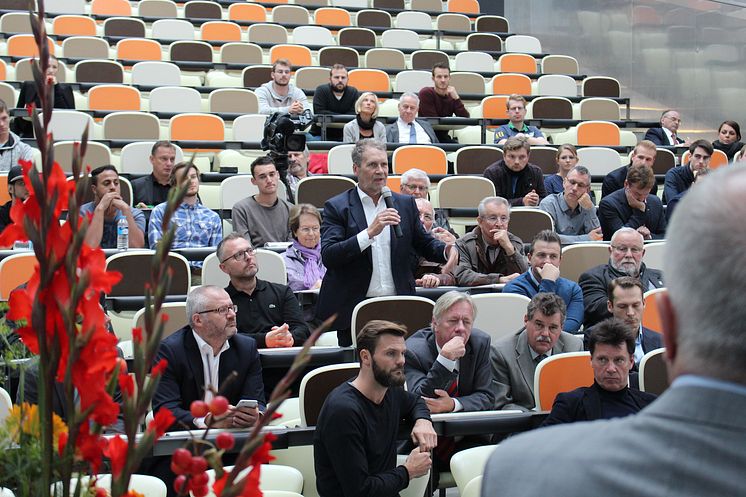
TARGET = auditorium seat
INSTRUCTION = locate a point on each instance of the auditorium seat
(290, 14)
(175, 99)
(111, 8)
(220, 31)
(427, 5)
(453, 22)
(516, 63)
(600, 161)
(601, 86)
(308, 78)
(134, 157)
(348, 57)
(99, 71)
(15, 22)
(129, 27)
(484, 42)
(412, 311)
(267, 33)
(24, 45)
(385, 58)
(190, 51)
(413, 19)
(15, 270)
(507, 84)
(85, 47)
(114, 97)
(139, 49)
(550, 108)
(241, 53)
(465, 6)
(599, 109)
(559, 64)
(131, 126)
(474, 61)
(523, 44)
(527, 222)
(560, 373)
(400, 38)
(313, 35)
(491, 24)
(200, 9)
(172, 29)
(580, 257)
(316, 190)
(332, 16)
(412, 81)
(298, 55)
(500, 314)
(426, 59)
(371, 18)
(157, 8)
(247, 12)
(373, 80)
(429, 158)
(475, 159)
(238, 100)
(357, 37)
(70, 124)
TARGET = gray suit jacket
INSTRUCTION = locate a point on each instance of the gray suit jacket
(392, 131)
(425, 374)
(513, 368)
(691, 441)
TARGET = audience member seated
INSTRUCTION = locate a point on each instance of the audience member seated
(626, 302)
(572, 210)
(729, 139)
(297, 169)
(196, 225)
(566, 158)
(365, 124)
(441, 99)
(63, 98)
(543, 276)
(12, 149)
(263, 217)
(490, 254)
(267, 312)
(448, 365)
(642, 155)
(679, 179)
(334, 98)
(516, 107)
(612, 346)
(355, 441)
(408, 128)
(673, 202)
(514, 358)
(416, 182)
(303, 258)
(153, 189)
(279, 94)
(432, 274)
(18, 193)
(514, 178)
(634, 207)
(666, 134)
(107, 209)
(626, 251)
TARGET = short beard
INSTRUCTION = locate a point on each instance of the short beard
(629, 271)
(386, 379)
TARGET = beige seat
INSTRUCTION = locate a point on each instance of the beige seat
(241, 53)
(177, 318)
(131, 126)
(385, 58)
(580, 257)
(97, 154)
(134, 278)
(239, 100)
(6, 404)
(653, 372)
(469, 464)
(526, 222)
(500, 314)
(409, 310)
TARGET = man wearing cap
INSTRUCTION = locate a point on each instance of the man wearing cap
(18, 192)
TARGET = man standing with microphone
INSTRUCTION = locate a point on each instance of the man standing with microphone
(363, 256)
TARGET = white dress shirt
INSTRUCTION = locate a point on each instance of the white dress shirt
(210, 368)
(422, 137)
(382, 280)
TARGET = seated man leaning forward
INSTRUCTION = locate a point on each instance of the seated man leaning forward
(267, 312)
(490, 254)
(514, 358)
(355, 441)
(201, 356)
(543, 275)
(107, 209)
(612, 346)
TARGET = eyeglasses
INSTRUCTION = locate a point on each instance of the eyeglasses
(241, 255)
(419, 188)
(624, 250)
(307, 230)
(579, 184)
(222, 310)
(495, 219)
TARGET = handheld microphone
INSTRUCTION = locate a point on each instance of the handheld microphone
(389, 201)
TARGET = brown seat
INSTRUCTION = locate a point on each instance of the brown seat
(370, 18)
(357, 37)
(525, 223)
(545, 158)
(664, 160)
(653, 372)
(388, 4)
(348, 57)
(123, 26)
(426, 59)
(491, 24)
(484, 42)
(316, 190)
(600, 86)
(136, 273)
(197, 9)
(551, 108)
(318, 384)
(474, 160)
(411, 311)
(99, 71)
(190, 51)
(256, 76)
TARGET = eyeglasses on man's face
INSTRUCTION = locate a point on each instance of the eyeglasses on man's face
(241, 255)
(224, 310)
(624, 250)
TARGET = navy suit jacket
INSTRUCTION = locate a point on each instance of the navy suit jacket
(615, 181)
(584, 404)
(614, 212)
(348, 271)
(183, 381)
(659, 137)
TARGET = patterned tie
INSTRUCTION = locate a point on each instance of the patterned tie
(540, 358)
(412, 133)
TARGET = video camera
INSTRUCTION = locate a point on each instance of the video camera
(282, 135)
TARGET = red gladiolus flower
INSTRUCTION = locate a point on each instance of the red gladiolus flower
(162, 421)
(159, 368)
(137, 334)
(116, 451)
(61, 443)
(126, 383)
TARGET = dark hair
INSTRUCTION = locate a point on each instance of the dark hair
(581, 170)
(624, 282)
(641, 176)
(230, 236)
(297, 211)
(368, 337)
(548, 236)
(264, 160)
(3, 106)
(548, 304)
(735, 126)
(161, 143)
(707, 146)
(337, 67)
(101, 169)
(612, 332)
(178, 167)
(440, 65)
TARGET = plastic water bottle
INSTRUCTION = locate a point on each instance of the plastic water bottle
(123, 234)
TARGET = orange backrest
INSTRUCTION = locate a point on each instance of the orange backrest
(247, 12)
(507, 84)
(718, 159)
(4, 195)
(562, 373)
(111, 8)
(139, 49)
(3, 71)
(105, 97)
(298, 55)
(466, 6)
(197, 127)
(72, 25)
(651, 317)
(518, 62)
(220, 31)
(598, 133)
(429, 158)
(15, 270)
(25, 46)
(332, 16)
(394, 183)
(494, 107)
(373, 80)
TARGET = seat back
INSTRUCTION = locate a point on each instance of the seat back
(559, 64)
(233, 100)
(316, 386)
(339, 159)
(96, 154)
(15, 270)
(545, 157)
(551, 108)
(24, 45)
(241, 53)
(412, 19)
(99, 71)
(348, 57)
(197, 127)
(357, 37)
(411, 311)
(124, 26)
(69, 124)
(523, 44)
(507, 84)
(372, 18)
(500, 314)
(132, 126)
(172, 29)
(256, 76)
(298, 55)
(308, 78)
(385, 58)
(426, 59)
(579, 258)
(267, 33)
(517, 63)
(492, 24)
(313, 35)
(484, 42)
(200, 9)
(526, 222)
(412, 81)
(316, 190)
(88, 47)
(114, 97)
(247, 12)
(73, 25)
(474, 61)
(6, 404)
(271, 268)
(468, 82)
(598, 133)
(157, 8)
(139, 49)
(249, 127)
(599, 109)
(601, 86)
(465, 6)
(561, 373)
(332, 16)
(469, 463)
(453, 22)
(429, 158)
(156, 73)
(111, 8)
(177, 318)
(664, 160)
(463, 192)
(653, 373)
(290, 14)
(220, 31)
(600, 161)
(190, 51)
(475, 159)
(655, 254)
(373, 80)
(134, 279)
(651, 317)
(175, 99)
(493, 107)
(400, 38)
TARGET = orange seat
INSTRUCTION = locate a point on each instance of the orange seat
(298, 55)
(247, 12)
(74, 25)
(561, 373)
(465, 6)
(4, 194)
(517, 63)
(494, 107)
(111, 8)
(507, 84)
(599, 133)
(24, 45)
(197, 127)
(429, 158)
(3, 71)
(651, 317)
(15, 270)
(373, 80)
(139, 49)
(718, 159)
(114, 97)
(394, 183)
(220, 31)
(332, 16)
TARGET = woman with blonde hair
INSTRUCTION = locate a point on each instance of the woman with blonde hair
(365, 124)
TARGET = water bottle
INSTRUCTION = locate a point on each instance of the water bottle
(123, 234)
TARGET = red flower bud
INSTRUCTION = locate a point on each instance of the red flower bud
(179, 484)
(219, 405)
(183, 459)
(199, 409)
(225, 441)
(198, 465)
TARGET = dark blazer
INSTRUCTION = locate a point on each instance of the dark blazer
(651, 340)
(615, 181)
(530, 178)
(476, 391)
(392, 131)
(678, 180)
(183, 380)
(348, 270)
(614, 212)
(63, 99)
(595, 283)
(659, 137)
(584, 404)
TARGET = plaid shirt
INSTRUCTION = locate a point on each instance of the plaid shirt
(196, 226)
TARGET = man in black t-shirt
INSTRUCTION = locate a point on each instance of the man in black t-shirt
(153, 189)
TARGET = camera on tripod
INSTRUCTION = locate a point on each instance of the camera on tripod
(282, 134)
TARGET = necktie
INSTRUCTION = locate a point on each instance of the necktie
(412, 133)
(540, 358)
(673, 139)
